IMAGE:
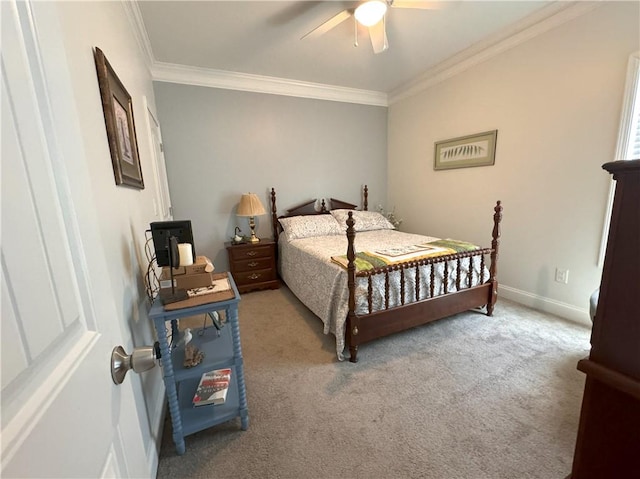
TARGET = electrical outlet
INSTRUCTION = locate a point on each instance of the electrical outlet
(562, 276)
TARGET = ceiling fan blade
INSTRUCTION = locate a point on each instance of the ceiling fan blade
(378, 36)
(329, 24)
(434, 5)
(291, 11)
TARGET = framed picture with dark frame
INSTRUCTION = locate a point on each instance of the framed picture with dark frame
(121, 130)
(465, 151)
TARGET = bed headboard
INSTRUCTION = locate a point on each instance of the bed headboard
(309, 208)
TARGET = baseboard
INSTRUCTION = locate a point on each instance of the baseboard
(157, 426)
(547, 305)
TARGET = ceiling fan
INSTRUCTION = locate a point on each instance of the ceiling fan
(371, 14)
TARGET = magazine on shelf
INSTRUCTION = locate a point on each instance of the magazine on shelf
(213, 387)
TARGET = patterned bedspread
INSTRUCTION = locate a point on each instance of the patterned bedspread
(321, 284)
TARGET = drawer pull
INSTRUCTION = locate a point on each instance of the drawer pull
(252, 253)
(254, 276)
(253, 264)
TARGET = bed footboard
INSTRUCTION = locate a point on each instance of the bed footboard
(423, 306)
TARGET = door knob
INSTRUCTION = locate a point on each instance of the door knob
(140, 360)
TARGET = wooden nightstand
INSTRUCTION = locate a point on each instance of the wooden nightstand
(253, 265)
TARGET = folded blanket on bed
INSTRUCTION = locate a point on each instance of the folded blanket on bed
(456, 245)
(367, 260)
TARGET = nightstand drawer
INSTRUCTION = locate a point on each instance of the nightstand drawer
(251, 252)
(253, 264)
(253, 277)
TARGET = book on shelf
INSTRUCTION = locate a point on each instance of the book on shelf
(213, 387)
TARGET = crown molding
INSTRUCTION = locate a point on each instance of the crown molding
(134, 15)
(533, 25)
(547, 18)
(173, 73)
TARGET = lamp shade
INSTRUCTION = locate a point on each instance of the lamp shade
(250, 205)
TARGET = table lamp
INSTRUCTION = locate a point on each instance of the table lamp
(251, 206)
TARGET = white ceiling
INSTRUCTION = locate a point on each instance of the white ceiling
(264, 38)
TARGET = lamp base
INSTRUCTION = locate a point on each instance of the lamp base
(252, 225)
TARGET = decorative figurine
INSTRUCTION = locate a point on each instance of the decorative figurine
(184, 340)
(192, 356)
(237, 238)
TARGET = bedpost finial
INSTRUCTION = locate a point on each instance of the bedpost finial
(273, 201)
(365, 205)
(497, 217)
(351, 232)
(274, 215)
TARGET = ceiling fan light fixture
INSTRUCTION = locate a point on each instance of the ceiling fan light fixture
(370, 13)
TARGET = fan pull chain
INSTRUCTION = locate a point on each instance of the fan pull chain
(355, 32)
(384, 29)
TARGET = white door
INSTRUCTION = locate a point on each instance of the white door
(61, 415)
(163, 198)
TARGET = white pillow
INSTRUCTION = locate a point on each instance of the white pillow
(364, 220)
(297, 227)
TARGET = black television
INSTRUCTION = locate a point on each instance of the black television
(162, 231)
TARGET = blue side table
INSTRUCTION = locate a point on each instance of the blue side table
(222, 349)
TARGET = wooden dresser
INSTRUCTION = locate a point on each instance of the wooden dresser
(608, 443)
(253, 265)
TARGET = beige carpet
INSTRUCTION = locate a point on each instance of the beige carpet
(464, 397)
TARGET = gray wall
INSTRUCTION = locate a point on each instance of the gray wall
(556, 102)
(222, 143)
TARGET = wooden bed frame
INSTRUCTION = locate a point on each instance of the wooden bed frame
(362, 328)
